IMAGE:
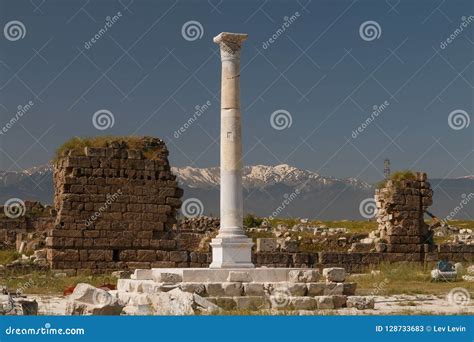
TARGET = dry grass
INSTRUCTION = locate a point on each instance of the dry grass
(404, 278)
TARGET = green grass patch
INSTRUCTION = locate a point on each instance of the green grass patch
(397, 177)
(8, 255)
(45, 283)
(404, 278)
(76, 145)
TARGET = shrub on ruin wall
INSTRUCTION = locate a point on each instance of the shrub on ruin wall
(397, 177)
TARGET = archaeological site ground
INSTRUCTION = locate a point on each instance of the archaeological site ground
(236, 170)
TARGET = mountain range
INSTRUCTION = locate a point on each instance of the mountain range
(280, 190)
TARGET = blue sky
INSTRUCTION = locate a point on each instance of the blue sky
(320, 71)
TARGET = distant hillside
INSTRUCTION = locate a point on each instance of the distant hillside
(265, 189)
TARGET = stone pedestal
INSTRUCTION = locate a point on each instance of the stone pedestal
(231, 248)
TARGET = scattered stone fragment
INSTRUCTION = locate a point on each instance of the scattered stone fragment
(89, 300)
(360, 302)
(179, 303)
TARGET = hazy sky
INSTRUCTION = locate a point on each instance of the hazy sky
(323, 70)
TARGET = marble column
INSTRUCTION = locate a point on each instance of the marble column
(231, 248)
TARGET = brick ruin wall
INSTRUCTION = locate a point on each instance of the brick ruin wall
(401, 208)
(115, 208)
(189, 232)
(26, 223)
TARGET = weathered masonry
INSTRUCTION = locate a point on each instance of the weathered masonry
(115, 206)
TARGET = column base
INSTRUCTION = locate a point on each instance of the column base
(231, 253)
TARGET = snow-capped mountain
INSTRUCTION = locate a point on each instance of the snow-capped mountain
(263, 176)
(267, 189)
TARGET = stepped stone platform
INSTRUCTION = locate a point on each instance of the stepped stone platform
(244, 289)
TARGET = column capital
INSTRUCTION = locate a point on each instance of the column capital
(230, 44)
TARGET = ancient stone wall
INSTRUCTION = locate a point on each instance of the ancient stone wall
(195, 233)
(16, 222)
(115, 207)
(400, 215)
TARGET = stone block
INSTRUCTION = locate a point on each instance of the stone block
(167, 277)
(178, 256)
(303, 303)
(251, 303)
(316, 289)
(197, 288)
(238, 276)
(254, 289)
(225, 303)
(233, 289)
(266, 245)
(215, 289)
(334, 289)
(349, 289)
(146, 255)
(339, 301)
(334, 274)
(303, 276)
(297, 289)
(325, 302)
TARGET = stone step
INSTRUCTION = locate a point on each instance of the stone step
(216, 289)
